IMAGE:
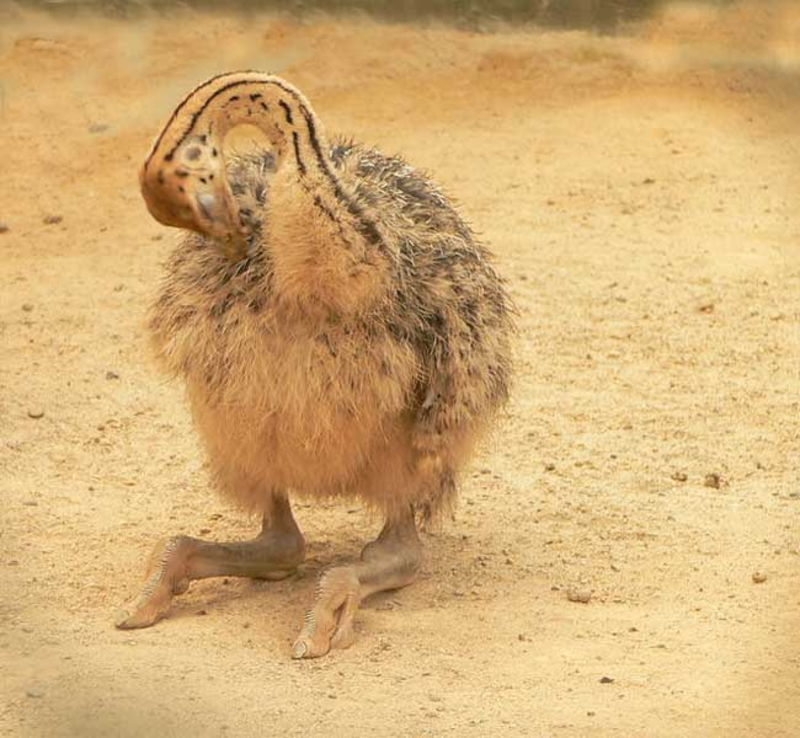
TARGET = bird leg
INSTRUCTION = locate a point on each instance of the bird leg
(274, 554)
(390, 562)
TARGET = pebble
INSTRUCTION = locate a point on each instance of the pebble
(606, 680)
(46, 44)
(759, 577)
(36, 413)
(34, 693)
(579, 595)
(680, 476)
(27, 307)
(52, 219)
(4, 228)
(550, 467)
(112, 375)
(713, 480)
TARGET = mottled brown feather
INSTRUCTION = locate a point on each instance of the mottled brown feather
(373, 376)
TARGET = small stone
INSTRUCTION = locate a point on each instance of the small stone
(98, 127)
(4, 228)
(52, 219)
(550, 467)
(706, 308)
(34, 693)
(31, 503)
(648, 180)
(36, 413)
(579, 595)
(606, 680)
(713, 480)
(27, 307)
(205, 531)
(112, 375)
(44, 44)
(759, 577)
(680, 476)
(156, 237)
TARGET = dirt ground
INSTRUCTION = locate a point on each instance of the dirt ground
(641, 193)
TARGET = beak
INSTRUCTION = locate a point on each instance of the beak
(196, 203)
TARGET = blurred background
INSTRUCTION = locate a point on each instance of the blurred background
(601, 14)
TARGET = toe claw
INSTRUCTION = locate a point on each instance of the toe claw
(299, 650)
(121, 619)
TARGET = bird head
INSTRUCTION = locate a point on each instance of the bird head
(189, 189)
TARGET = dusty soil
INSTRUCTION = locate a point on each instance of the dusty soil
(641, 195)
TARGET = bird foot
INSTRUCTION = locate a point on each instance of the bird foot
(165, 577)
(274, 554)
(329, 624)
(390, 562)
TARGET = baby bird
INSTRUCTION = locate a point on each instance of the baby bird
(340, 332)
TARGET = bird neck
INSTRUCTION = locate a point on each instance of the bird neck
(324, 243)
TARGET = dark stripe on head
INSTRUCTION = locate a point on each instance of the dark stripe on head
(300, 165)
(287, 111)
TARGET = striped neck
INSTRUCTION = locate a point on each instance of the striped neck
(183, 178)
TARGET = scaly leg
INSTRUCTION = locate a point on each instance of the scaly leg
(390, 562)
(274, 554)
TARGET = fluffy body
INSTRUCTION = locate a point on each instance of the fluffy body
(326, 365)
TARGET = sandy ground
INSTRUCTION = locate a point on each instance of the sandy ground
(641, 193)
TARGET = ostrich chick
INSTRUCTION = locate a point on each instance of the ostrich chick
(340, 332)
